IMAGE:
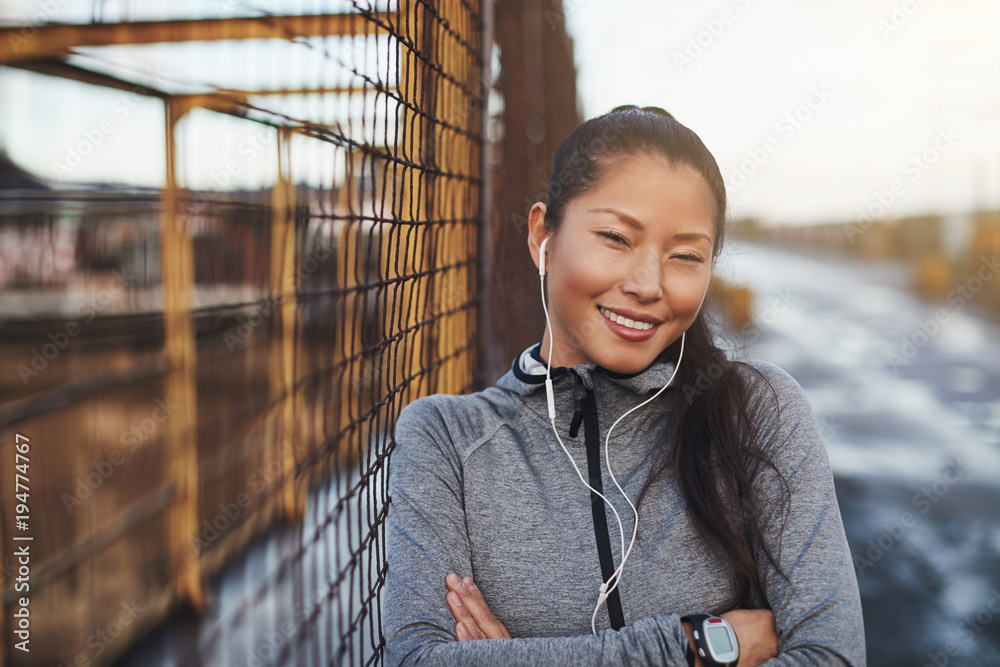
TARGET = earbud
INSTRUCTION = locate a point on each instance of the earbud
(541, 257)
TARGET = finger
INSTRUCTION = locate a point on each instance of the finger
(482, 623)
(453, 582)
(469, 607)
(472, 598)
(465, 625)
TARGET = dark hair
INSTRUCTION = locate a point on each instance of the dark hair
(718, 450)
(622, 133)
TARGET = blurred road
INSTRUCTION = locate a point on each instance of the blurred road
(908, 397)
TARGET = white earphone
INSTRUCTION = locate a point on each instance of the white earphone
(607, 587)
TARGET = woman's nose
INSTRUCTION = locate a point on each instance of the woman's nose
(645, 278)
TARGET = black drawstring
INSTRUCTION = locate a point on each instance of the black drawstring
(605, 556)
(579, 395)
(585, 405)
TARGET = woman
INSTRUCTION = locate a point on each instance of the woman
(507, 529)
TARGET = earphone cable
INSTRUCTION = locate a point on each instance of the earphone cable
(616, 576)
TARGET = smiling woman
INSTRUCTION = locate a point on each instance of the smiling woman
(733, 551)
(630, 266)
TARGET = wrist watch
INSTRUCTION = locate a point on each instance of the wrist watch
(715, 639)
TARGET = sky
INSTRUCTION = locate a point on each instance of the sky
(816, 111)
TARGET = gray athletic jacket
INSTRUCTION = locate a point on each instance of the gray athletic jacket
(479, 486)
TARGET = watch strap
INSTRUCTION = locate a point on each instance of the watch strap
(695, 620)
(689, 652)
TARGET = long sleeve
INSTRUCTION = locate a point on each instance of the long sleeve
(427, 538)
(818, 609)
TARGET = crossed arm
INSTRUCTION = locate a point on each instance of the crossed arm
(473, 620)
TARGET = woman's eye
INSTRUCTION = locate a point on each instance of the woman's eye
(689, 257)
(614, 236)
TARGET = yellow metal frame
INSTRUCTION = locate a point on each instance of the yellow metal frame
(29, 42)
(425, 292)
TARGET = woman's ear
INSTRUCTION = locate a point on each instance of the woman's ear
(537, 231)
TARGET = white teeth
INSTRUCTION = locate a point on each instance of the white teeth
(624, 321)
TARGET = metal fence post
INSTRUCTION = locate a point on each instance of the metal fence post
(180, 437)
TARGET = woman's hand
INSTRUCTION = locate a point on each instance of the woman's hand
(473, 619)
(755, 632)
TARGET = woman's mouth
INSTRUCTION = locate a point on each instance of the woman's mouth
(624, 321)
(627, 329)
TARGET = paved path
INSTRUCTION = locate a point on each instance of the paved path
(910, 410)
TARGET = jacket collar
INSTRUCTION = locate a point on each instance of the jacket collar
(527, 374)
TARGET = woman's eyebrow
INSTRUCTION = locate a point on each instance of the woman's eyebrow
(693, 236)
(621, 215)
(635, 224)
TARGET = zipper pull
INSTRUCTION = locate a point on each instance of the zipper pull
(579, 395)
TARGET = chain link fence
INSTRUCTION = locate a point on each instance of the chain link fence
(207, 368)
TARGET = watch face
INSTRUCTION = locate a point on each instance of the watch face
(721, 641)
(718, 637)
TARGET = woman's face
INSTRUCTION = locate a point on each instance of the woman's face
(629, 267)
